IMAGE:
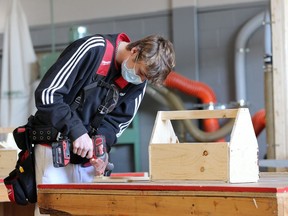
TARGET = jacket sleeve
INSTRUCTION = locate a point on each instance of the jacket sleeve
(60, 83)
(115, 123)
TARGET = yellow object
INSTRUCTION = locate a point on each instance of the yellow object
(21, 169)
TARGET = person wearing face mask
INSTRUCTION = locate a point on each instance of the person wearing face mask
(84, 79)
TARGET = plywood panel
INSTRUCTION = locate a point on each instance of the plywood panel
(193, 161)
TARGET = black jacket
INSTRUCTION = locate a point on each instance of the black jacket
(74, 71)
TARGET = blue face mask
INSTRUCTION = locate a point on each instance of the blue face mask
(129, 74)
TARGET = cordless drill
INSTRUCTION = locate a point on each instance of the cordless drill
(100, 156)
(61, 155)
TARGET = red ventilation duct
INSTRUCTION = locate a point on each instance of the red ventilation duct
(207, 95)
(259, 121)
(196, 89)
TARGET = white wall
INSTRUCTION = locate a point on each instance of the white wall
(38, 11)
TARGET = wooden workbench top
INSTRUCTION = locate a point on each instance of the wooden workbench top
(267, 197)
(268, 183)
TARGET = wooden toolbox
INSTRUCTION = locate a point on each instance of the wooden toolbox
(234, 161)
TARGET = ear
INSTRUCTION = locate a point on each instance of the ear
(134, 50)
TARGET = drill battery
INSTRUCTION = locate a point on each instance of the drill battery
(61, 153)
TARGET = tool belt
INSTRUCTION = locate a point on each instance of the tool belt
(42, 135)
(21, 182)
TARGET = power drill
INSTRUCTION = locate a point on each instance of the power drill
(102, 166)
(61, 154)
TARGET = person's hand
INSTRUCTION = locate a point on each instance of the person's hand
(83, 146)
(100, 157)
(99, 164)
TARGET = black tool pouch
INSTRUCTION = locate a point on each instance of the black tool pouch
(21, 182)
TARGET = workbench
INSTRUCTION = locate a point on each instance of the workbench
(267, 197)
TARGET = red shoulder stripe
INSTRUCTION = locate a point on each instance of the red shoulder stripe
(106, 60)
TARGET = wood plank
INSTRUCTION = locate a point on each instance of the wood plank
(186, 161)
(130, 174)
(279, 23)
(87, 204)
(269, 183)
(264, 198)
(243, 151)
(163, 131)
(121, 179)
(117, 188)
(8, 158)
(198, 114)
(282, 203)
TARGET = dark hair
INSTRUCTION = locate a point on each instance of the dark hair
(158, 54)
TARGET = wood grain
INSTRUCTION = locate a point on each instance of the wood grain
(265, 198)
(197, 161)
(235, 161)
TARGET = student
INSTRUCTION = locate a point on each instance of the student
(88, 93)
